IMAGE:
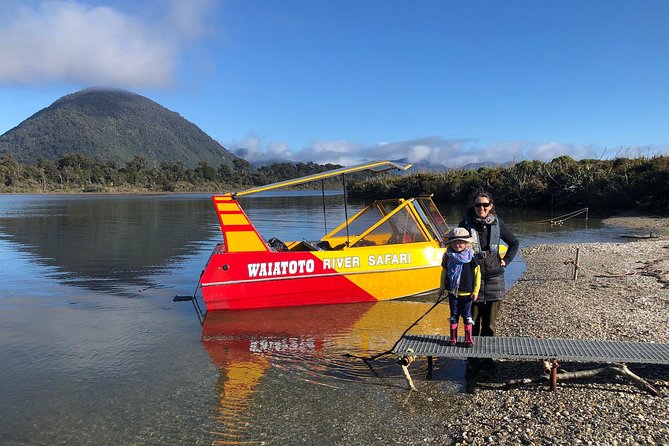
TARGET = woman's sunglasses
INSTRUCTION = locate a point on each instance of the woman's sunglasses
(484, 205)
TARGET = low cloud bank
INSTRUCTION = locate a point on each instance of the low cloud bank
(451, 153)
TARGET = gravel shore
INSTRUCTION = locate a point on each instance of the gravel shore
(622, 293)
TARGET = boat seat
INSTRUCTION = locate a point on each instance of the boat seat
(311, 245)
(277, 245)
(324, 245)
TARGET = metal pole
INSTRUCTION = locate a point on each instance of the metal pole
(343, 183)
(325, 218)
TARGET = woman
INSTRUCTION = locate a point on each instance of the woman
(488, 229)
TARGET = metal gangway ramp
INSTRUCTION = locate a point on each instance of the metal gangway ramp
(527, 348)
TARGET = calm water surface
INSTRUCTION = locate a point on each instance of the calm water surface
(94, 351)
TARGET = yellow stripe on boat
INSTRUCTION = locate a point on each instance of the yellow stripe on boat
(234, 219)
(239, 233)
(244, 241)
(227, 207)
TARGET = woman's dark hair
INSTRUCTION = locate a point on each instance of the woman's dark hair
(483, 193)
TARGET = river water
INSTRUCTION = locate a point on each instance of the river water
(94, 351)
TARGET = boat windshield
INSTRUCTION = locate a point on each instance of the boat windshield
(431, 215)
(400, 227)
(366, 218)
(387, 222)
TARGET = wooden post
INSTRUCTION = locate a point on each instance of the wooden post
(429, 367)
(578, 254)
(554, 369)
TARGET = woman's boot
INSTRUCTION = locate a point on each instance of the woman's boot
(454, 335)
(469, 339)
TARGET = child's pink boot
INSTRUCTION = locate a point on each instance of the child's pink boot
(453, 340)
(469, 339)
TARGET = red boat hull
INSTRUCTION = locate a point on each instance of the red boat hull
(235, 281)
(227, 286)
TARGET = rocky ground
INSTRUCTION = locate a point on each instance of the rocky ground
(621, 293)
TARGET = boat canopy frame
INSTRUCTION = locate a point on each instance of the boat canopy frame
(423, 221)
(376, 167)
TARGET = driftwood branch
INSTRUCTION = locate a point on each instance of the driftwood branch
(405, 369)
(620, 370)
(404, 362)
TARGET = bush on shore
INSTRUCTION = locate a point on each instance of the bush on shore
(621, 183)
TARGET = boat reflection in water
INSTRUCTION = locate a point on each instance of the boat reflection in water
(306, 343)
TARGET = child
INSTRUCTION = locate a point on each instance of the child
(461, 273)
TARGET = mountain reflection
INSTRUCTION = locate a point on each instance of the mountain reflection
(106, 243)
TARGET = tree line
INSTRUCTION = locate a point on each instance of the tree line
(563, 183)
(621, 183)
(78, 173)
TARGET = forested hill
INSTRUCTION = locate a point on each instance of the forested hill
(112, 125)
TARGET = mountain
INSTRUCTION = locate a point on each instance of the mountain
(112, 125)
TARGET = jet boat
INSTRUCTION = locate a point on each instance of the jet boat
(390, 249)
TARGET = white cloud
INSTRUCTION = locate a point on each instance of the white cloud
(551, 150)
(72, 42)
(435, 150)
(255, 151)
(418, 153)
(335, 152)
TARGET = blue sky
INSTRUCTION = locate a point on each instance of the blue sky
(450, 82)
